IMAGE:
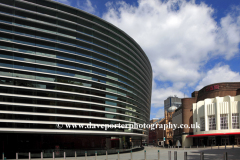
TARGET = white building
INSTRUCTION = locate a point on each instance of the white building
(219, 121)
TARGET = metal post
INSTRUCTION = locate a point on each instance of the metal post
(118, 156)
(85, 155)
(106, 156)
(131, 155)
(158, 155)
(95, 155)
(53, 155)
(16, 156)
(225, 157)
(233, 146)
(75, 154)
(169, 155)
(145, 155)
(185, 155)
(64, 155)
(41, 155)
(3, 156)
(29, 155)
(201, 156)
(175, 155)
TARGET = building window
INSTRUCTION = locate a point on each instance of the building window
(235, 121)
(212, 123)
(224, 121)
(202, 124)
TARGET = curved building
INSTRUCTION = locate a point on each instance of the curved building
(60, 65)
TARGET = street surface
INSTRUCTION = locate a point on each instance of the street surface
(152, 154)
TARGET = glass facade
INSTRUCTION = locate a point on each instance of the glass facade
(61, 64)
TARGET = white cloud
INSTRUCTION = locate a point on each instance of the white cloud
(87, 6)
(160, 94)
(219, 74)
(179, 38)
(159, 113)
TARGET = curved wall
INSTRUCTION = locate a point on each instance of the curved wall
(59, 64)
(218, 89)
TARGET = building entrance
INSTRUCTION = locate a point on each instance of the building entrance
(237, 141)
(211, 141)
(201, 142)
(225, 141)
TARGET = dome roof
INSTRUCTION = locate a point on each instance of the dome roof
(172, 108)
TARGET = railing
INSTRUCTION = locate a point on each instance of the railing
(104, 154)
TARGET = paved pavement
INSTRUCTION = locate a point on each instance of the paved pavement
(152, 154)
(192, 154)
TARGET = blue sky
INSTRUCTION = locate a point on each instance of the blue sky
(189, 43)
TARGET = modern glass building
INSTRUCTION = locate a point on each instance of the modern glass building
(60, 65)
(172, 101)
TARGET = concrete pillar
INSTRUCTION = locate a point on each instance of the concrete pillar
(230, 112)
(225, 157)
(145, 155)
(169, 155)
(206, 114)
(185, 155)
(175, 155)
(217, 115)
(201, 156)
(120, 143)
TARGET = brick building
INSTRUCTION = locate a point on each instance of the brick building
(216, 108)
(167, 133)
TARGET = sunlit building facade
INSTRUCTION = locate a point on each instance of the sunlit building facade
(61, 65)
